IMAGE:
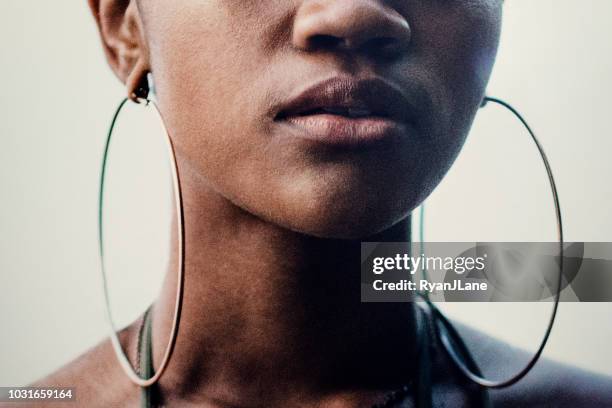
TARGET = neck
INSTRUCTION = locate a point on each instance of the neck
(266, 308)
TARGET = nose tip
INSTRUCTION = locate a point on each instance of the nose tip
(352, 25)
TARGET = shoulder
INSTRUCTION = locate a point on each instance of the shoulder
(552, 384)
(549, 384)
(96, 378)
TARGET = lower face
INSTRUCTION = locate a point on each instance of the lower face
(227, 71)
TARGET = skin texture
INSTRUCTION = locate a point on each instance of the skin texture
(272, 315)
(252, 55)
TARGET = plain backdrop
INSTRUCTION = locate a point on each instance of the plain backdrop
(56, 100)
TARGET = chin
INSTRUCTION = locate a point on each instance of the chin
(347, 227)
(352, 217)
(354, 198)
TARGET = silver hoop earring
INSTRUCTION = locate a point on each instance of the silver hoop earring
(141, 96)
(448, 335)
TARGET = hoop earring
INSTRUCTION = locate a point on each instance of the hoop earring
(141, 96)
(449, 337)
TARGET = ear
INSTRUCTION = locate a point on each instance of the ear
(120, 27)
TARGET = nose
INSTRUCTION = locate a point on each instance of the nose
(350, 25)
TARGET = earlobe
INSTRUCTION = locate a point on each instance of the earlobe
(137, 83)
(120, 29)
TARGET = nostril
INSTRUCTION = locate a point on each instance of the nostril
(383, 46)
(324, 41)
(383, 42)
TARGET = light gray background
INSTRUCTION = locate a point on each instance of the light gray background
(57, 96)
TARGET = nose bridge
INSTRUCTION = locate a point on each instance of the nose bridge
(348, 23)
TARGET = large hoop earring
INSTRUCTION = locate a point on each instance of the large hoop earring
(449, 337)
(141, 96)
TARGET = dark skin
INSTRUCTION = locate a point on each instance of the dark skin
(272, 315)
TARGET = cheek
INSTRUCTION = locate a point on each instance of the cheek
(455, 45)
(458, 41)
(204, 69)
(213, 74)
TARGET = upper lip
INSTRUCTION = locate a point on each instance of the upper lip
(370, 97)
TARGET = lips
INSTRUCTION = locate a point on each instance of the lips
(347, 111)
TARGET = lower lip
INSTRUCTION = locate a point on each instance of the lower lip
(344, 131)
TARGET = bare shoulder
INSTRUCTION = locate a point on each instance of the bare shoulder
(96, 378)
(549, 384)
(552, 384)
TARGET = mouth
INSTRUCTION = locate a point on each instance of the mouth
(347, 111)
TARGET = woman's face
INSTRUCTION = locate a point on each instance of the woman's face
(331, 117)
